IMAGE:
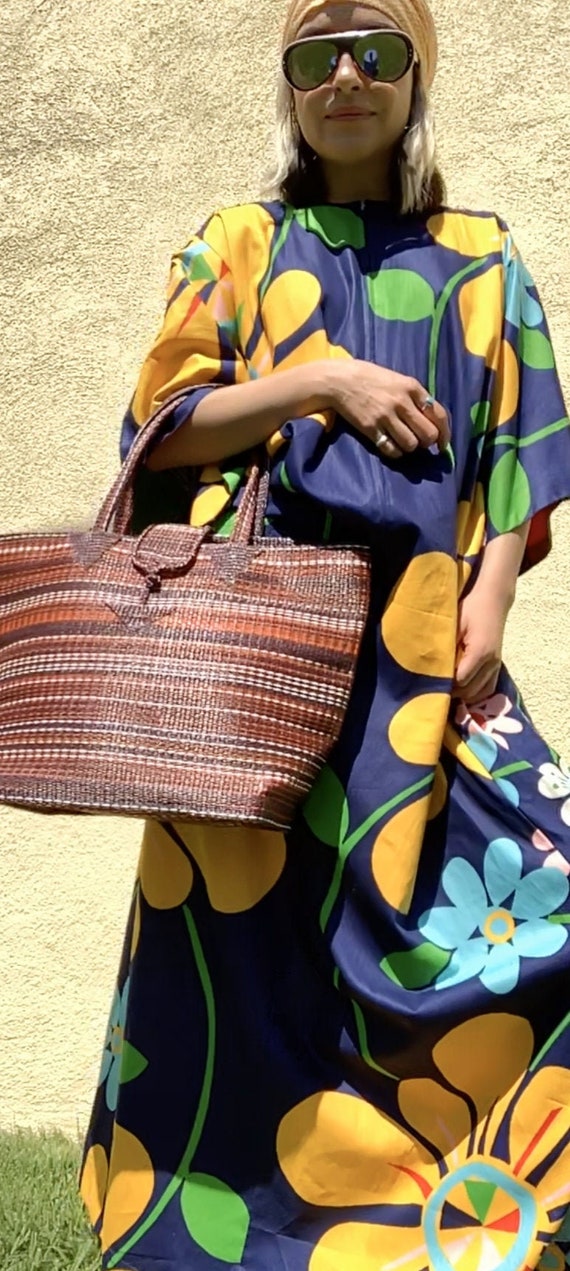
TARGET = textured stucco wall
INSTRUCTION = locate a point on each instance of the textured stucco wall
(122, 126)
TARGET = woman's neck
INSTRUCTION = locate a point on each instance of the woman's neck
(358, 183)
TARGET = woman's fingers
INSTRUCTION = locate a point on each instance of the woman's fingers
(476, 680)
(437, 415)
(481, 688)
(420, 430)
(433, 412)
(408, 428)
(388, 447)
(398, 415)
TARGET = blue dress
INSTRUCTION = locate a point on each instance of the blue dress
(347, 1048)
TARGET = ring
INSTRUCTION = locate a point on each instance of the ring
(380, 439)
(429, 401)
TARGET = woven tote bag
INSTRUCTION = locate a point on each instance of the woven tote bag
(173, 674)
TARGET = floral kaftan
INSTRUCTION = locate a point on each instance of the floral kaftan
(347, 1048)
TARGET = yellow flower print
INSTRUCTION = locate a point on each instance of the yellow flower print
(129, 1188)
(244, 236)
(485, 1194)
(239, 865)
(136, 929)
(93, 1183)
(208, 504)
(396, 853)
(419, 623)
(507, 387)
(416, 730)
(480, 299)
(290, 300)
(397, 847)
(166, 873)
(471, 521)
(465, 233)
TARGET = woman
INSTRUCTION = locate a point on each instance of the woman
(349, 1049)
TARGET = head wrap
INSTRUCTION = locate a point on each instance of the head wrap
(411, 16)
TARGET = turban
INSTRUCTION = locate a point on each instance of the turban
(411, 16)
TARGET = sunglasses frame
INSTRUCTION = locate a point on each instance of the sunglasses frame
(344, 42)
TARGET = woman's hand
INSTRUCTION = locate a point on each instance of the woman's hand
(388, 408)
(483, 616)
(480, 637)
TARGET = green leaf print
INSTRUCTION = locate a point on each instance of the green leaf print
(336, 226)
(400, 295)
(416, 968)
(225, 525)
(326, 809)
(233, 478)
(509, 499)
(480, 417)
(132, 1063)
(216, 1217)
(285, 479)
(536, 349)
(200, 269)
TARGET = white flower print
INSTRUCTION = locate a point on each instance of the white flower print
(555, 784)
(553, 858)
(491, 716)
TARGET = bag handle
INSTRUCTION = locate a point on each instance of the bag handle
(117, 510)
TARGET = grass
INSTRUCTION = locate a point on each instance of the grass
(42, 1222)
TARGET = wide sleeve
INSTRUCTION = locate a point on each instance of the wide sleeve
(197, 348)
(525, 461)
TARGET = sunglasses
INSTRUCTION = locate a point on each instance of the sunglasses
(383, 56)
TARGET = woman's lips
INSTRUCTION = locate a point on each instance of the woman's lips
(351, 114)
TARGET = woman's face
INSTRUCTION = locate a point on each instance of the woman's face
(373, 133)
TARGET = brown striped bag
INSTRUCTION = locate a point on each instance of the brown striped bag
(173, 674)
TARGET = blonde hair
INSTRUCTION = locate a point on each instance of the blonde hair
(296, 176)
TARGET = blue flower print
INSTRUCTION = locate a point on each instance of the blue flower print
(193, 260)
(487, 751)
(121, 1061)
(489, 927)
(519, 303)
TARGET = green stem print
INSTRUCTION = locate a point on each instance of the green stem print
(278, 244)
(326, 814)
(183, 1172)
(438, 317)
(497, 438)
(563, 1025)
(522, 766)
(363, 1043)
(439, 314)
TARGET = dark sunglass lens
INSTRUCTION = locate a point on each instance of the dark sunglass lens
(310, 64)
(382, 57)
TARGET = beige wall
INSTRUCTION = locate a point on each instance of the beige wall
(122, 126)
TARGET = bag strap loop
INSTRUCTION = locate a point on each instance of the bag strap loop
(116, 512)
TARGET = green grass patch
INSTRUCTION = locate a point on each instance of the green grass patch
(42, 1221)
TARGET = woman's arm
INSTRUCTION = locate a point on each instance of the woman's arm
(238, 416)
(500, 567)
(483, 615)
